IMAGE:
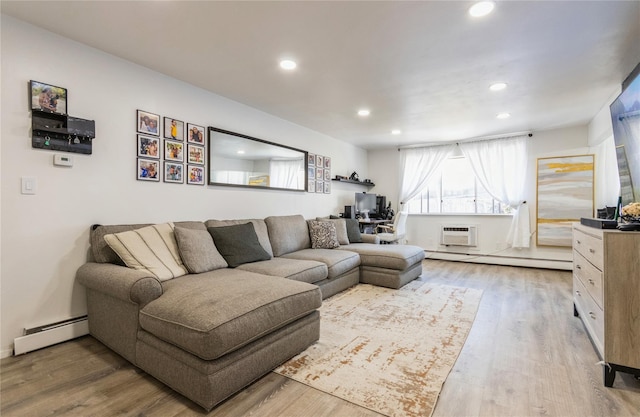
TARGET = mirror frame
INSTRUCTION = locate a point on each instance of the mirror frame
(213, 130)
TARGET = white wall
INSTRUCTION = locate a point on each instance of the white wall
(45, 237)
(423, 230)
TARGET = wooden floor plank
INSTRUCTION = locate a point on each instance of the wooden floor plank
(525, 355)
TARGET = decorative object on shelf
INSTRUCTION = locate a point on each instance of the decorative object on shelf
(195, 134)
(565, 194)
(48, 98)
(148, 123)
(148, 170)
(195, 174)
(173, 129)
(354, 176)
(148, 147)
(173, 151)
(173, 172)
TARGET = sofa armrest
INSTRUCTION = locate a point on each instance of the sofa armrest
(120, 282)
(366, 238)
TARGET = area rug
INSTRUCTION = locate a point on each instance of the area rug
(388, 350)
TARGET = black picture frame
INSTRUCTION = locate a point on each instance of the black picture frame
(147, 123)
(148, 146)
(196, 174)
(48, 98)
(148, 170)
(173, 172)
(168, 129)
(173, 151)
(195, 134)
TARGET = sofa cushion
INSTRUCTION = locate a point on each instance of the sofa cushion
(341, 229)
(323, 235)
(297, 269)
(212, 314)
(238, 244)
(398, 257)
(197, 250)
(288, 234)
(100, 250)
(258, 224)
(152, 249)
(353, 230)
(338, 261)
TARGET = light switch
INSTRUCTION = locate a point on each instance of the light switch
(29, 185)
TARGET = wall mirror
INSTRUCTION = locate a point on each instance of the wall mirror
(243, 161)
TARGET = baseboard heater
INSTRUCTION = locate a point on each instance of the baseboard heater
(50, 334)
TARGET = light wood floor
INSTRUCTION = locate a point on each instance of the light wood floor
(526, 355)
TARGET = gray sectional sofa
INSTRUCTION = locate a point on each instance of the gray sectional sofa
(222, 303)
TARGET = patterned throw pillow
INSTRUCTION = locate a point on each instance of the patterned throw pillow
(152, 249)
(323, 235)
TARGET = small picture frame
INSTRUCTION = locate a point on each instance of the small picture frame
(173, 151)
(173, 172)
(195, 134)
(195, 154)
(312, 172)
(148, 170)
(327, 162)
(319, 161)
(327, 187)
(327, 174)
(311, 159)
(148, 123)
(319, 174)
(47, 97)
(319, 187)
(173, 129)
(195, 174)
(311, 186)
(148, 147)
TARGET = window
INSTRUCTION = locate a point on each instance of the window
(455, 189)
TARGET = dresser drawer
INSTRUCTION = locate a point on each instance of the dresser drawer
(592, 315)
(590, 276)
(590, 247)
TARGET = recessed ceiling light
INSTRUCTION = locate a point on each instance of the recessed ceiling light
(288, 64)
(503, 116)
(240, 152)
(396, 131)
(481, 8)
(363, 112)
(497, 86)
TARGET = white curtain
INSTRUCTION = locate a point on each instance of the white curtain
(417, 166)
(287, 173)
(501, 167)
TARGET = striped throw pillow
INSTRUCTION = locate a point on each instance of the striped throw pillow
(152, 249)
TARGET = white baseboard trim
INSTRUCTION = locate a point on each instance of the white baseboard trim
(502, 260)
(49, 335)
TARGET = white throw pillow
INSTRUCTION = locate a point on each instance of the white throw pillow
(152, 249)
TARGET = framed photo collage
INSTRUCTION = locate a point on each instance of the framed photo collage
(170, 149)
(319, 175)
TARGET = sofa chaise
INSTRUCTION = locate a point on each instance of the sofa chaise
(209, 307)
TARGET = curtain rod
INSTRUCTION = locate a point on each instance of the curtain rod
(478, 139)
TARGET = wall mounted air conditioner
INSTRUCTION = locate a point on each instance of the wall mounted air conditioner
(458, 235)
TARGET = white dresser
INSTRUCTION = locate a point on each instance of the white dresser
(606, 294)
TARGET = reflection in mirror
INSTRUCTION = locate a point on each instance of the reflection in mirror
(243, 161)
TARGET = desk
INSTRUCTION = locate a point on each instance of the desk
(369, 226)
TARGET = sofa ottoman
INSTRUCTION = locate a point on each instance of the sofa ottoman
(391, 266)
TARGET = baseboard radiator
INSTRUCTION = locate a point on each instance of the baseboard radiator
(50, 334)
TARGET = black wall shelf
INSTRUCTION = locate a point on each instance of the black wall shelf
(59, 132)
(366, 184)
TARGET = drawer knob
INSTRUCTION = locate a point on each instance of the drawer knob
(591, 282)
(593, 316)
(592, 251)
(578, 292)
(578, 266)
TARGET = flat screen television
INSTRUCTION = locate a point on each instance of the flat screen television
(366, 201)
(625, 118)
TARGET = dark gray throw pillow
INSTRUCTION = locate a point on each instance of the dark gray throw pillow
(238, 244)
(353, 231)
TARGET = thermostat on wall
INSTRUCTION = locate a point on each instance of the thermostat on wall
(62, 160)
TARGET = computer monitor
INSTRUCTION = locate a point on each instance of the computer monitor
(366, 201)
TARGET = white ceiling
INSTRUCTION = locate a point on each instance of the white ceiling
(422, 66)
